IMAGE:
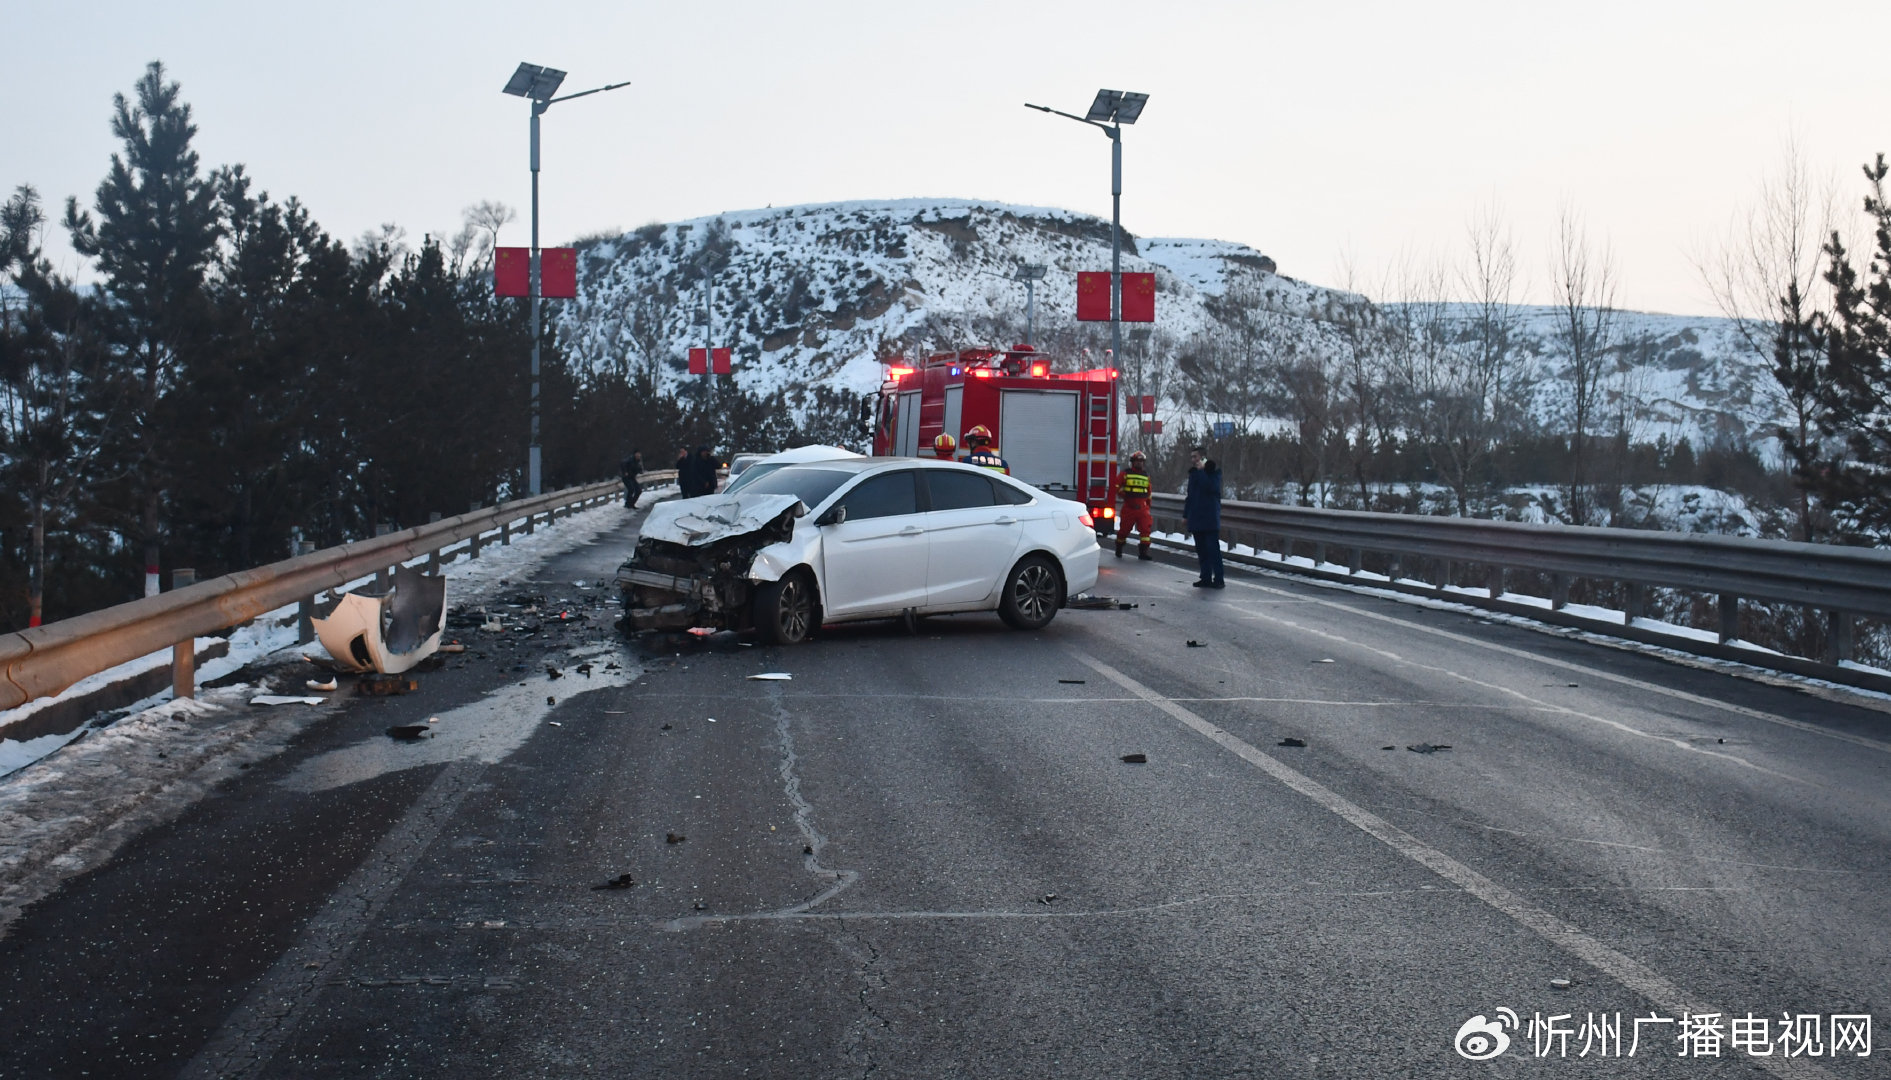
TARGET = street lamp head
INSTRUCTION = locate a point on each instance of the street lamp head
(1031, 272)
(1130, 107)
(535, 82)
(1103, 109)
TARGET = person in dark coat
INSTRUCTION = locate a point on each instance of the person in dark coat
(633, 490)
(1201, 509)
(696, 475)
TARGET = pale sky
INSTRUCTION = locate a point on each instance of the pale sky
(1317, 133)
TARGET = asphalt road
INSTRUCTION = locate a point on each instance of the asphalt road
(924, 856)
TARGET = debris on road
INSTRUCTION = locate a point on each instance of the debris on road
(1291, 741)
(329, 685)
(553, 673)
(1388, 748)
(550, 700)
(1193, 644)
(1135, 759)
(493, 626)
(386, 685)
(771, 676)
(455, 647)
(674, 838)
(1087, 602)
(1328, 660)
(666, 727)
(1047, 898)
(554, 723)
(808, 849)
(584, 670)
(1561, 984)
(621, 881)
(409, 732)
(1074, 682)
(702, 631)
(389, 631)
(285, 699)
(1426, 748)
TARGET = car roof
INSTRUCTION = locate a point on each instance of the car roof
(862, 464)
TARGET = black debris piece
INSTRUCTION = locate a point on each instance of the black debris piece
(1047, 898)
(410, 732)
(674, 838)
(1076, 682)
(1193, 644)
(1426, 748)
(621, 881)
(550, 700)
(1127, 607)
(808, 850)
(552, 672)
(698, 906)
(1291, 741)
(1094, 603)
(585, 670)
(1135, 759)
(1388, 748)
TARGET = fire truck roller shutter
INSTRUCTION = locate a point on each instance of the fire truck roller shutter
(954, 409)
(906, 434)
(1039, 433)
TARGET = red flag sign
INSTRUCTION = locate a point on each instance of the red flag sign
(1093, 296)
(719, 361)
(512, 271)
(1144, 405)
(699, 361)
(1139, 298)
(558, 273)
(1152, 427)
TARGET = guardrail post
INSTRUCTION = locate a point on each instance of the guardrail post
(1394, 567)
(1559, 592)
(1635, 604)
(184, 653)
(1319, 556)
(1442, 579)
(382, 528)
(1838, 637)
(1729, 617)
(1354, 557)
(505, 534)
(1494, 581)
(531, 524)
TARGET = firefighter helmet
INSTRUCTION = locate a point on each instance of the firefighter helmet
(1138, 456)
(944, 444)
(979, 434)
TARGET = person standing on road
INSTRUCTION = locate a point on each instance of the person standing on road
(696, 475)
(1202, 510)
(632, 467)
(983, 453)
(1133, 493)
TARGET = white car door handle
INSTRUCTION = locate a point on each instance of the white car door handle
(1006, 521)
(911, 530)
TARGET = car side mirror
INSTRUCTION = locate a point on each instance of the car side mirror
(833, 517)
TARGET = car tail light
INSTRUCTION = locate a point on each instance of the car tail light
(1086, 520)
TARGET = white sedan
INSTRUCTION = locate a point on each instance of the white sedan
(858, 538)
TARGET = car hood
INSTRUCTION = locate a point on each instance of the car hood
(710, 518)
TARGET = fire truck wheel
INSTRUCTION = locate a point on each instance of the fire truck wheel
(1033, 593)
(786, 611)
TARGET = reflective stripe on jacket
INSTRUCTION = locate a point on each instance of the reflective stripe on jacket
(1135, 485)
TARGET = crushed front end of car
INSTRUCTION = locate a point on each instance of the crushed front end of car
(694, 562)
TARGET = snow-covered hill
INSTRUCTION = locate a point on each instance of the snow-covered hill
(817, 295)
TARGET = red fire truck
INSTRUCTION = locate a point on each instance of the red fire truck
(1056, 431)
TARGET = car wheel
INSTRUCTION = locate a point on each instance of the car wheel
(786, 611)
(1033, 593)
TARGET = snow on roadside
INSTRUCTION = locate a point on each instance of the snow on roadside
(69, 808)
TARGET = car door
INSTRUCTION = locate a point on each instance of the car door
(970, 537)
(875, 560)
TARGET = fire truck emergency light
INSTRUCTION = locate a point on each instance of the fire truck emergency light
(1038, 371)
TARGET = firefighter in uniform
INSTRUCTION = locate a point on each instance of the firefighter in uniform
(946, 448)
(1133, 491)
(983, 453)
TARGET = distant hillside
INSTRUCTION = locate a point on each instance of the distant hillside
(816, 295)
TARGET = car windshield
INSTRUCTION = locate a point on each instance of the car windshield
(740, 481)
(807, 484)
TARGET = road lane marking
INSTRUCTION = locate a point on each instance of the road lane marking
(1583, 669)
(1551, 928)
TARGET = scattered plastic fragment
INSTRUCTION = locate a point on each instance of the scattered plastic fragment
(1291, 741)
(808, 850)
(702, 631)
(329, 685)
(1193, 644)
(1135, 759)
(1076, 682)
(666, 727)
(284, 699)
(493, 626)
(456, 647)
(1047, 898)
(409, 732)
(1426, 748)
(621, 881)
(771, 676)
(1388, 748)
(674, 838)
(553, 673)
(554, 723)
(550, 700)
(1560, 984)
(1326, 661)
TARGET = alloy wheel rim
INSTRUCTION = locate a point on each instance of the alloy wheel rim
(794, 610)
(1037, 590)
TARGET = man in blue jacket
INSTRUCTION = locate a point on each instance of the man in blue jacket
(1202, 511)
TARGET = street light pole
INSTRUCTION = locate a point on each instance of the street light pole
(1030, 274)
(1108, 113)
(538, 84)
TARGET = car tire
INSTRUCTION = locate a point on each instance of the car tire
(1033, 592)
(787, 611)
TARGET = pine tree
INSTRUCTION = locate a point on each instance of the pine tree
(156, 233)
(1855, 344)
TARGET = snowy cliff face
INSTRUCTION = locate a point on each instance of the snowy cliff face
(817, 295)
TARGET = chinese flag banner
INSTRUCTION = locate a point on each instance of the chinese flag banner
(1132, 404)
(558, 273)
(1093, 296)
(1139, 298)
(512, 272)
(719, 361)
(699, 361)
(1152, 427)
(1149, 404)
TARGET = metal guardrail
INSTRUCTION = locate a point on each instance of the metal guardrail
(45, 660)
(1843, 583)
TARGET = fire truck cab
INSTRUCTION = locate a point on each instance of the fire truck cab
(1057, 431)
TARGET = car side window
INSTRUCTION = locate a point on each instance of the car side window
(1010, 496)
(886, 495)
(954, 490)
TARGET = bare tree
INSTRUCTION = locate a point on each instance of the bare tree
(1582, 283)
(1763, 277)
(1482, 401)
